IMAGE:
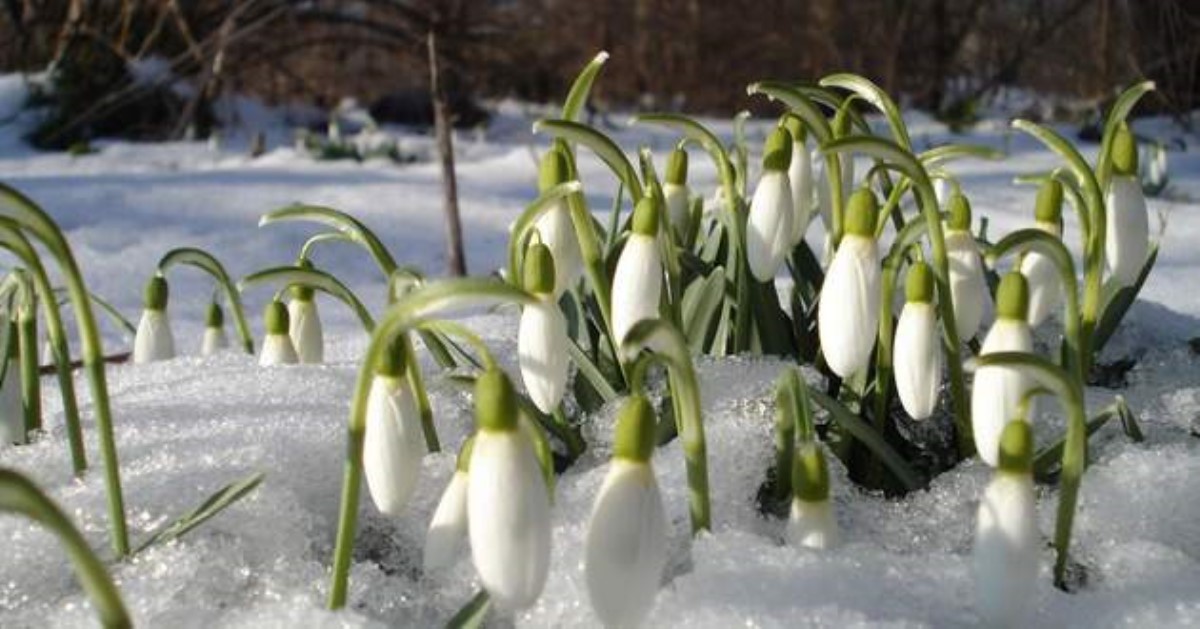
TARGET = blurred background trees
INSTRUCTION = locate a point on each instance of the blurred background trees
(153, 68)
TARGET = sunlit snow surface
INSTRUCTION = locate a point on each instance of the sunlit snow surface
(188, 426)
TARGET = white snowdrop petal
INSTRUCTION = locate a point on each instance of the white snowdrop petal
(214, 341)
(1045, 287)
(558, 233)
(393, 445)
(449, 525)
(1006, 552)
(508, 518)
(1126, 240)
(769, 226)
(800, 176)
(277, 349)
(626, 545)
(997, 391)
(304, 328)
(153, 340)
(542, 354)
(637, 284)
(848, 311)
(968, 286)
(917, 359)
(812, 525)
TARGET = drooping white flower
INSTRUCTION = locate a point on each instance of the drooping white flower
(448, 528)
(393, 443)
(1007, 540)
(626, 545)
(811, 522)
(800, 175)
(214, 339)
(676, 194)
(968, 286)
(997, 392)
(508, 506)
(917, 356)
(1045, 286)
(277, 346)
(154, 340)
(12, 409)
(304, 326)
(555, 227)
(1127, 235)
(848, 310)
(542, 335)
(769, 227)
(637, 281)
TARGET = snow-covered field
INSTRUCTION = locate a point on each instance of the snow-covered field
(187, 426)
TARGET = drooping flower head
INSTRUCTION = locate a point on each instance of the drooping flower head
(393, 443)
(1127, 235)
(917, 356)
(154, 340)
(848, 310)
(448, 527)
(769, 226)
(304, 327)
(556, 227)
(637, 282)
(508, 505)
(998, 391)
(277, 346)
(1045, 286)
(676, 194)
(215, 338)
(968, 286)
(625, 547)
(800, 176)
(811, 523)
(542, 334)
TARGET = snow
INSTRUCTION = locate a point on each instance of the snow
(190, 425)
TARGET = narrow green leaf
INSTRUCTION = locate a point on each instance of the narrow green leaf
(865, 433)
(473, 614)
(354, 229)
(205, 511)
(878, 99)
(701, 302)
(582, 87)
(940, 155)
(312, 278)
(602, 145)
(590, 372)
(796, 100)
(1118, 302)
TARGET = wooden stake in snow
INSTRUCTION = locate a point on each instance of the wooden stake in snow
(456, 262)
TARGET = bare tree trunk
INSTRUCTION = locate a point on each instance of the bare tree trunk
(456, 261)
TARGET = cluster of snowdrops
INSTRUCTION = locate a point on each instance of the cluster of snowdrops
(613, 314)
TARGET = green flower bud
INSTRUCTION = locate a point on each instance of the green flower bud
(677, 167)
(539, 269)
(862, 210)
(959, 209)
(795, 126)
(463, 463)
(393, 362)
(275, 318)
(156, 293)
(215, 317)
(1049, 202)
(495, 402)
(777, 152)
(1012, 297)
(810, 474)
(1016, 447)
(918, 287)
(1124, 152)
(646, 217)
(634, 440)
(554, 170)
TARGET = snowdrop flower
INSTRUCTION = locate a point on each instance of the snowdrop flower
(508, 505)
(393, 443)
(304, 324)
(626, 545)
(917, 357)
(811, 523)
(12, 408)
(848, 310)
(277, 347)
(1007, 539)
(555, 225)
(769, 226)
(1045, 286)
(677, 195)
(800, 175)
(637, 282)
(1126, 239)
(998, 391)
(154, 340)
(542, 334)
(214, 339)
(449, 525)
(968, 287)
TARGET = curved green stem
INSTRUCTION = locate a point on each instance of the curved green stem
(354, 230)
(208, 263)
(313, 278)
(31, 382)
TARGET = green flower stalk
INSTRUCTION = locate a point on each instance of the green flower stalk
(154, 340)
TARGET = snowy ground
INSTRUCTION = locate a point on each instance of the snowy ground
(190, 425)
